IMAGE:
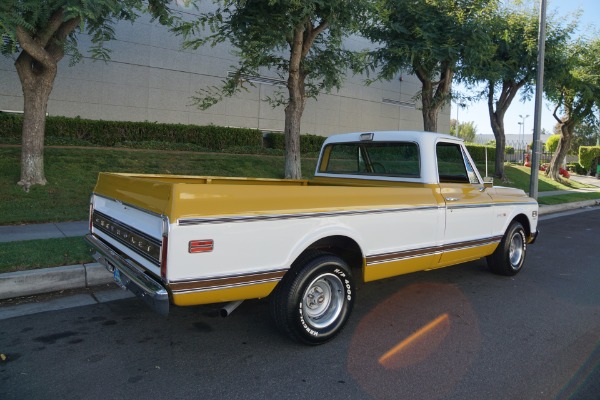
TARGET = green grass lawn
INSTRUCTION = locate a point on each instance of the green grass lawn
(568, 198)
(520, 176)
(72, 174)
(33, 254)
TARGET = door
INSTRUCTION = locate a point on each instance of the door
(468, 208)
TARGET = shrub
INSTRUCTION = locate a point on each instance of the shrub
(587, 155)
(578, 169)
(552, 143)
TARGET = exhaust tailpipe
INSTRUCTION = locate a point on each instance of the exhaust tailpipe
(230, 307)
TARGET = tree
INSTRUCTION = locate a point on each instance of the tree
(513, 65)
(300, 41)
(453, 127)
(552, 143)
(574, 88)
(466, 130)
(41, 32)
(584, 134)
(432, 39)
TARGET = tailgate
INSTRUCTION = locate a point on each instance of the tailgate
(137, 233)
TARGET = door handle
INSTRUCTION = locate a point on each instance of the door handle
(452, 199)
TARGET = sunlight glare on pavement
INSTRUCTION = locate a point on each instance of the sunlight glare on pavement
(418, 345)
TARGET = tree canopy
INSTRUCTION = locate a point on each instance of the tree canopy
(435, 40)
(574, 87)
(301, 42)
(512, 67)
(465, 130)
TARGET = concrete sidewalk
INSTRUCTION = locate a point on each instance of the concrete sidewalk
(14, 233)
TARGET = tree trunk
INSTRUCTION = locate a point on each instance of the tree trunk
(566, 135)
(293, 117)
(497, 124)
(299, 47)
(36, 66)
(37, 82)
(428, 110)
(430, 120)
(433, 94)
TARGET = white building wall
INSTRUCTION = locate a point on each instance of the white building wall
(150, 78)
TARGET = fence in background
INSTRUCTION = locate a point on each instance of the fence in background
(516, 151)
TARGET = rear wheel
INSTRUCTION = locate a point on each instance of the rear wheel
(314, 300)
(509, 257)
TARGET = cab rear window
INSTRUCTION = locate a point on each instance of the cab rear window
(396, 159)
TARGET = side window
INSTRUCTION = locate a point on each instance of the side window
(451, 164)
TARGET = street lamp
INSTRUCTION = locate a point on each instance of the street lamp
(458, 106)
(539, 85)
(523, 127)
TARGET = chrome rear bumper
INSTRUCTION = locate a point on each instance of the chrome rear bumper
(131, 276)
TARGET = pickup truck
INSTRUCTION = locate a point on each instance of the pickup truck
(381, 204)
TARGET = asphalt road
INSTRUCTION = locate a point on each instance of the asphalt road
(457, 333)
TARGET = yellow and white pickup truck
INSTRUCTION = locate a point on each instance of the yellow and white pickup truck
(381, 204)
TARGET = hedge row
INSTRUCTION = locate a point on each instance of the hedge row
(78, 131)
(308, 143)
(113, 133)
(587, 155)
(477, 152)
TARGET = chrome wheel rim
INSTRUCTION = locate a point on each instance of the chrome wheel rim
(323, 300)
(516, 250)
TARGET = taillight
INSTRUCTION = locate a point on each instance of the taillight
(163, 257)
(165, 246)
(91, 223)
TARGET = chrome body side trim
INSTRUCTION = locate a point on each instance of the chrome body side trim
(275, 217)
(428, 251)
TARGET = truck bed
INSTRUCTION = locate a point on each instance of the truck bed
(181, 197)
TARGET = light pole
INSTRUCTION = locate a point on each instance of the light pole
(537, 119)
(458, 106)
(522, 123)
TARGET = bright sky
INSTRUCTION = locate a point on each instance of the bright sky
(478, 112)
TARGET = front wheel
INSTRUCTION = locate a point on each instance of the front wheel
(509, 257)
(314, 300)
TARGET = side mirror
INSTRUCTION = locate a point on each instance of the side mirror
(488, 182)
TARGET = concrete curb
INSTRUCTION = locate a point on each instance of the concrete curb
(46, 280)
(544, 210)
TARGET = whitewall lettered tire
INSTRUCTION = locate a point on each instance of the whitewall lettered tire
(315, 298)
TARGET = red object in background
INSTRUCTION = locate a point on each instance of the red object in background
(564, 173)
(561, 171)
(527, 162)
